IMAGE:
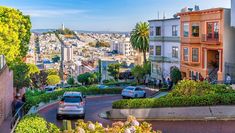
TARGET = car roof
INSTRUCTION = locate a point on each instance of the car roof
(72, 94)
(50, 86)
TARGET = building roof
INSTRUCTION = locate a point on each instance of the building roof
(163, 19)
(202, 11)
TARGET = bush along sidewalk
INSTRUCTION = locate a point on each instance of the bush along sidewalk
(34, 100)
(185, 93)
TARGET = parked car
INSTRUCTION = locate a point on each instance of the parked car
(102, 86)
(72, 104)
(50, 89)
(133, 92)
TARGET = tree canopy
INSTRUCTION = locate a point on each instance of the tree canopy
(140, 38)
(53, 79)
(113, 70)
(88, 78)
(15, 34)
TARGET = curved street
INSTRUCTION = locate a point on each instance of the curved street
(96, 105)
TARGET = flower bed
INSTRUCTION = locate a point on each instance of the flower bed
(36, 124)
(185, 93)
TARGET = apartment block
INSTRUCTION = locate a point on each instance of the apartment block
(164, 49)
(207, 44)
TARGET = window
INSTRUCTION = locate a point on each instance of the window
(195, 55)
(186, 29)
(151, 50)
(175, 52)
(185, 54)
(154, 68)
(151, 31)
(158, 50)
(158, 31)
(174, 30)
(195, 30)
(213, 30)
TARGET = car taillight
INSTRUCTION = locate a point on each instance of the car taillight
(61, 102)
(82, 103)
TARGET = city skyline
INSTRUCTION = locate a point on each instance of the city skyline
(107, 15)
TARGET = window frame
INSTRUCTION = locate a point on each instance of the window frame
(174, 30)
(156, 50)
(158, 31)
(151, 50)
(184, 55)
(186, 24)
(195, 54)
(175, 52)
(197, 29)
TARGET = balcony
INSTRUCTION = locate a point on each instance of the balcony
(164, 38)
(211, 38)
(162, 59)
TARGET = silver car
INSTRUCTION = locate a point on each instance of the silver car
(71, 104)
(133, 92)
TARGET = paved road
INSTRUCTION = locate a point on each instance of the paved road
(96, 105)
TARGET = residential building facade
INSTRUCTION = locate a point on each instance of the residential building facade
(68, 53)
(207, 44)
(123, 47)
(164, 47)
(233, 13)
(6, 89)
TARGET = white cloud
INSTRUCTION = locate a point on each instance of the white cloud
(52, 12)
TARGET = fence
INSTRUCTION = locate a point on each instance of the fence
(17, 116)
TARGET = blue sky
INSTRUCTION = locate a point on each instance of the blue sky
(102, 15)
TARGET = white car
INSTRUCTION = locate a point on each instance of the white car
(71, 104)
(133, 92)
(50, 89)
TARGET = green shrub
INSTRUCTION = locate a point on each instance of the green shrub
(183, 101)
(175, 75)
(35, 124)
(46, 97)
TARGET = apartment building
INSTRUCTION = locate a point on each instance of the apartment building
(123, 47)
(233, 13)
(164, 47)
(207, 44)
(6, 89)
(68, 52)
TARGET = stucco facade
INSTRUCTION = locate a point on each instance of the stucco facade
(233, 13)
(164, 52)
(206, 43)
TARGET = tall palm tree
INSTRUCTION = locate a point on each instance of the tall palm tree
(140, 38)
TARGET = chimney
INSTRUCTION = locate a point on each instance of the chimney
(196, 8)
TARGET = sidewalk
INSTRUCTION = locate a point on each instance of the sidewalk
(5, 127)
(177, 113)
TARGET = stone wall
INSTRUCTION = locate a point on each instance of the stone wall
(6, 92)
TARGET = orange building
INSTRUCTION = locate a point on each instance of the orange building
(207, 44)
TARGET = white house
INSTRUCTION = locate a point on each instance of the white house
(164, 49)
(122, 47)
(233, 13)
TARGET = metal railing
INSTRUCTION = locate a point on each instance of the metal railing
(210, 38)
(17, 116)
(2, 61)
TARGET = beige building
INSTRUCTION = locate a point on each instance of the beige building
(6, 89)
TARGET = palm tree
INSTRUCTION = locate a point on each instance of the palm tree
(140, 38)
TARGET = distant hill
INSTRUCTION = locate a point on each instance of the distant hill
(79, 31)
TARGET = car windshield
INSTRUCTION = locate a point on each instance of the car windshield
(49, 89)
(72, 99)
(130, 88)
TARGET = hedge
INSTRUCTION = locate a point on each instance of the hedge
(183, 101)
(35, 124)
(46, 97)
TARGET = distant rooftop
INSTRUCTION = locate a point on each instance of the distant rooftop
(164, 19)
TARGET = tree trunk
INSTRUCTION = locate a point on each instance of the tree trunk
(144, 54)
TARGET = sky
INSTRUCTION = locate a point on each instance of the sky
(102, 15)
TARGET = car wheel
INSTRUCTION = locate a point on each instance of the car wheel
(144, 95)
(59, 117)
(136, 96)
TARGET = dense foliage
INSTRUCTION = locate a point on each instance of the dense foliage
(102, 44)
(53, 79)
(113, 70)
(15, 34)
(185, 93)
(39, 79)
(35, 124)
(52, 72)
(88, 78)
(140, 38)
(35, 99)
(175, 75)
(70, 80)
